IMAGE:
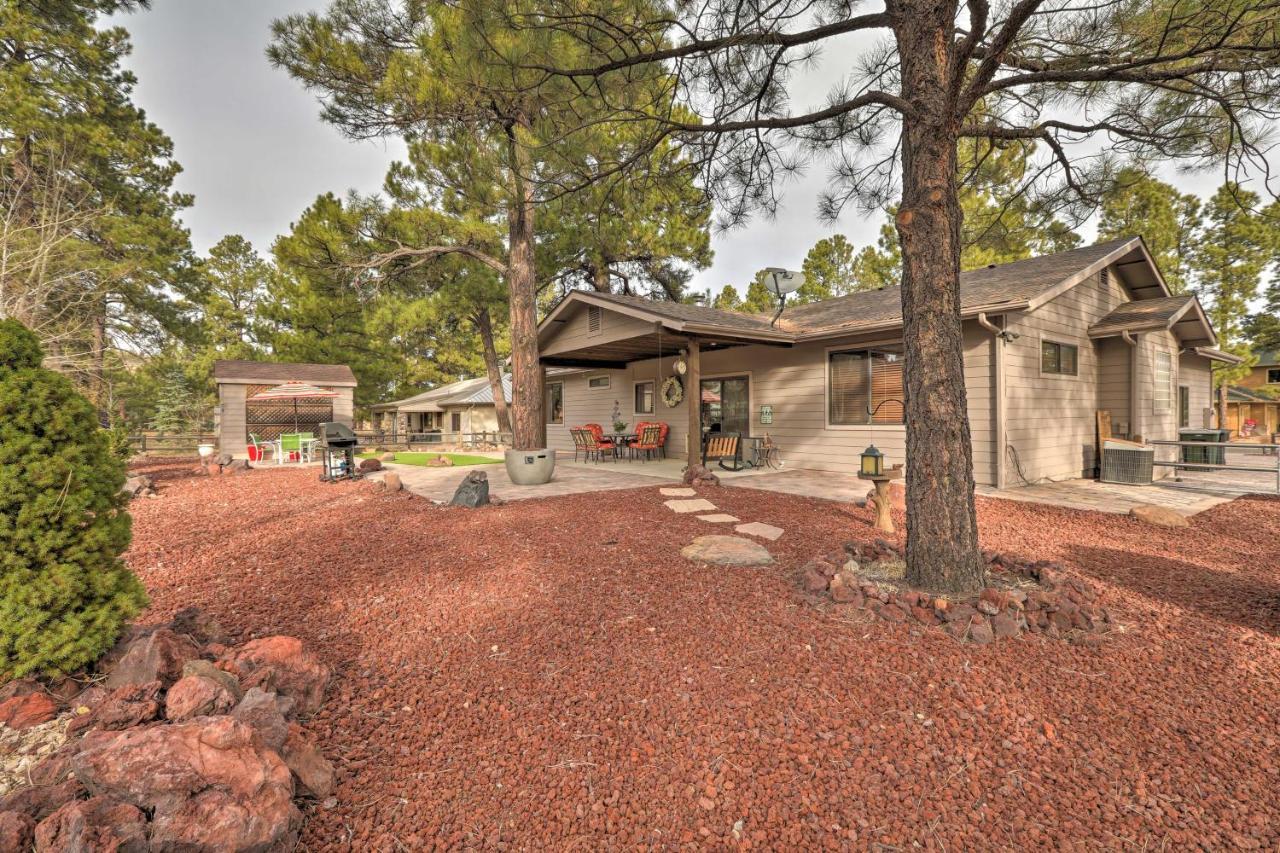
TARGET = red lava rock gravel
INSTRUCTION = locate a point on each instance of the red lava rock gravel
(553, 674)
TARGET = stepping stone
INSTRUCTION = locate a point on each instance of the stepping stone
(757, 528)
(718, 518)
(697, 505)
(678, 493)
(727, 551)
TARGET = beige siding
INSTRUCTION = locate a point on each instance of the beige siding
(1113, 383)
(575, 334)
(231, 430)
(1195, 372)
(793, 381)
(1051, 420)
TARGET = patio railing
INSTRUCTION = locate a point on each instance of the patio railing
(1272, 450)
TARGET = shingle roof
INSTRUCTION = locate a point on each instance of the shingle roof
(1236, 394)
(280, 371)
(1268, 358)
(688, 313)
(1015, 283)
(1142, 315)
(1004, 287)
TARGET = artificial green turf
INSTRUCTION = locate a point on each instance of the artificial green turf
(423, 458)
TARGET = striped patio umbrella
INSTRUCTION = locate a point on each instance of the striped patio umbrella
(295, 391)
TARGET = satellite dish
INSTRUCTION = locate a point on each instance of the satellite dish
(780, 282)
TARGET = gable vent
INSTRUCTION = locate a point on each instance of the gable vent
(594, 316)
(1105, 277)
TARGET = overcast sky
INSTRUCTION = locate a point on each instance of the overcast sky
(255, 153)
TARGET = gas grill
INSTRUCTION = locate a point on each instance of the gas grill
(337, 452)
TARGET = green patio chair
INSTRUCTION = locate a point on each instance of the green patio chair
(290, 443)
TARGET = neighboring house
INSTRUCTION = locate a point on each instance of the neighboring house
(1047, 343)
(1256, 398)
(235, 418)
(459, 408)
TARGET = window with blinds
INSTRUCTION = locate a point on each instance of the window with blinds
(865, 387)
(1162, 394)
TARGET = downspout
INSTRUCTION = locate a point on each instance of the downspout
(1135, 407)
(997, 341)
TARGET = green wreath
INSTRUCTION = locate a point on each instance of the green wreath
(672, 392)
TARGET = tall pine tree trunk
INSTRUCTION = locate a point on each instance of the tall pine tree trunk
(528, 426)
(942, 527)
(484, 325)
(600, 278)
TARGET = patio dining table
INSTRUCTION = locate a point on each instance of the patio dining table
(620, 440)
(306, 449)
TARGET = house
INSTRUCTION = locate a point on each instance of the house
(236, 417)
(444, 413)
(1047, 342)
(1256, 398)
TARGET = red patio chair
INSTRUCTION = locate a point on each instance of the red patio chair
(649, 442)
(597, 432)
(591, 444)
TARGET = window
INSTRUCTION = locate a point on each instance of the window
(644, 398)
(455, 421)
(1059, 359)
(1184, 406)
(1163, 391)
(1273, 375)
(555, 403)
(596, 382)
(864, 387)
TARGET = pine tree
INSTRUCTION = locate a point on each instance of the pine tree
(1138, 204)
(728, 299)
(65, 594)
(173, 402)
(828, 270)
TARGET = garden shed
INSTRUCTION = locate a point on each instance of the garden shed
(236, 417)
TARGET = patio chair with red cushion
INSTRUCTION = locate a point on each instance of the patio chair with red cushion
(663, 429)
(592, 442)
(650, 441)
(597, 432)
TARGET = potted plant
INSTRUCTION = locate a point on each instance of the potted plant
(619, 425)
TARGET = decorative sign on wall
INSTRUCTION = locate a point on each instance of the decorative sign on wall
(766, 414)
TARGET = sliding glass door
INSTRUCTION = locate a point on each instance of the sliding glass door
(726, 405)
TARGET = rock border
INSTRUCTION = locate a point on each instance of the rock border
(175, 723)
(1021, 597)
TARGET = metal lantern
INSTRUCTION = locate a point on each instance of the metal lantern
(872, 462)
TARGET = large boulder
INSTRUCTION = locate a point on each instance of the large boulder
(138, 486)
(473, 491)
(98, 823)
(700, 475)
(27, 710)
(158, 656)
(267, 713)
(367, 465)
(196, 696)
(123, 708)
(391, 482)
(283, 665)
(1161, 516)
(207, 669)
(16, 830)
(211, 784)
(312, 770)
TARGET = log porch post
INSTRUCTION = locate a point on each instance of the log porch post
(693, 398)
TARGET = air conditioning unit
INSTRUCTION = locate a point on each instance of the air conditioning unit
(1130, 464)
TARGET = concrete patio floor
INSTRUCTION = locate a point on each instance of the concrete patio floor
(1192, 492)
